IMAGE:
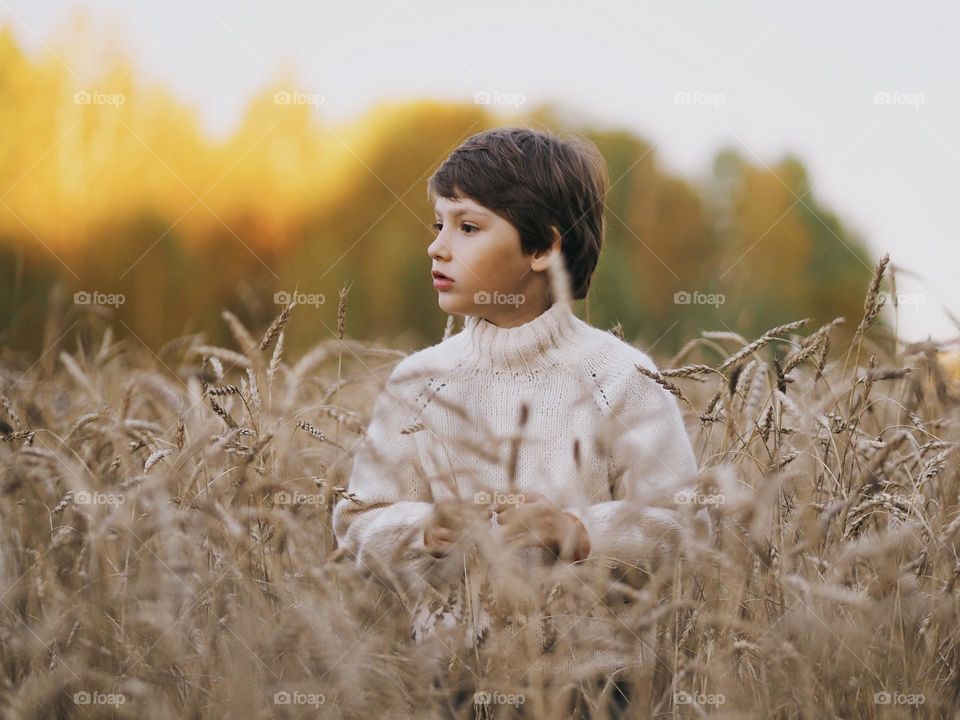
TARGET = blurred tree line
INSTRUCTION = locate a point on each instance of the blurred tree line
(112, 188)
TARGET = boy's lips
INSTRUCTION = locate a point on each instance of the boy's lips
(442, 282)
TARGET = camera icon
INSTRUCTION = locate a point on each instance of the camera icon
(882, 98)
(882, 698)
(282, 697)
(682, 297)
(481, 298)
(482, 98)
(282, 98)
(82, 697)
(82, 98)
(482, 498)
(683, 698)
(481, 697)
(282, 298)
(81, 297)
(82, 497)
(682, 98)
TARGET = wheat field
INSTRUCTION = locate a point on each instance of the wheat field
(166, 548)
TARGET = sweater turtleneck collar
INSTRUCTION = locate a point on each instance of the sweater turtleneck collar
(523, 348)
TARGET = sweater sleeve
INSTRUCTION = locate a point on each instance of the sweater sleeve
(385, 520)
(650, 459)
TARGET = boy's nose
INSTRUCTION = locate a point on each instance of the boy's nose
(437, 249)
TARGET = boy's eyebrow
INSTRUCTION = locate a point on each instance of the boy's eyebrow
(462, 211)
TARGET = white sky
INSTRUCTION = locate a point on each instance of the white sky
(795, 76)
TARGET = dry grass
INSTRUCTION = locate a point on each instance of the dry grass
(165, 537)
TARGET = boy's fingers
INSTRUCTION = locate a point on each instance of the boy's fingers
(521, 499)
(511, 532)
(529, 516)
(519, 510)
(441, 548)
(520, 539)
(438, 552)
(445, 533)
(529, 533)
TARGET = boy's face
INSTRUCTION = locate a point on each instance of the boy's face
(480, 251)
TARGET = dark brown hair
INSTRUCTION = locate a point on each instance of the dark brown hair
(535, 179)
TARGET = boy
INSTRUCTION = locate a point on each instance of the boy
(529, 418)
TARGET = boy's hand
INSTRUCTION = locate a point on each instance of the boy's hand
(448, 523)
(537, 522)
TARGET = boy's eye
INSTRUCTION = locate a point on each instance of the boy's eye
(466, 227)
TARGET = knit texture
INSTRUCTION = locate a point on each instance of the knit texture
(601, 440)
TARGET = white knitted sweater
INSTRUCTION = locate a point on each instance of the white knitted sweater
(601, 440)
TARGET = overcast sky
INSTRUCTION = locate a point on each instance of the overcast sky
(765, 77)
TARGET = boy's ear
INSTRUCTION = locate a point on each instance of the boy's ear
(541, 258)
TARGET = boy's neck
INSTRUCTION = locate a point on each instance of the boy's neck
(523, 314)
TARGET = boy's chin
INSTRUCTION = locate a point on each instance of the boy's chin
(450, 306)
